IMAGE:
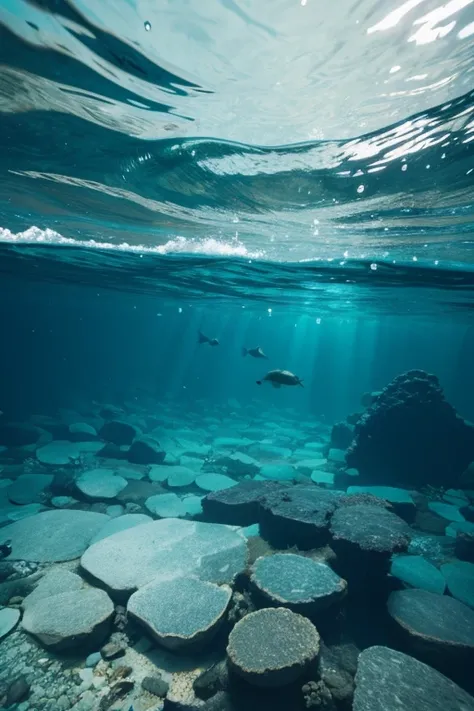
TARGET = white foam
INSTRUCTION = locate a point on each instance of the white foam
(178, 245)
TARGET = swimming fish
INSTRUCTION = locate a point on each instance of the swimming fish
(205, 339)
(254, 352)
(5, 549)
(281, 377)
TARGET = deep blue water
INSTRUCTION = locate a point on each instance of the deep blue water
(256, 168)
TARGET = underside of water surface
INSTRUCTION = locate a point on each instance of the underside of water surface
(237, 383)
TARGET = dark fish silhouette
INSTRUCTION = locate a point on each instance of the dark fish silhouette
(5, 549)
(205, 339)
(254, 352)
(281, 377)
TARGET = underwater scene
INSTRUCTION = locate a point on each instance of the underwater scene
(237, 363)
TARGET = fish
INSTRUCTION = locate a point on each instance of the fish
(281, 377)
(205, 339)
(254, 352)
(5, 549)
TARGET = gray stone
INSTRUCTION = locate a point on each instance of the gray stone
(58, 453)
(323, 478)
(130, 559)
(145, 450)
(71, 619)
(272, 647)
(308, 466)
(16, 513)
(239, 464)
(159, 472)
(214, 482)
(52, 536)
(20, 434)
(99, 484)
(159, 607)
(166, 506)
(401, 499)
(63, 502)
(459, 577)
(192, 505)
(115, 510)
(387, 679)
(9, 618)
(446, 511)
(93, 659)
(120, 523)
(54, 582)
(437, 628)
(82, 432)
(238, 505)
(417, 572)
(155, 685)
(278, 472)
(27, 488)
(180, 476)
(118, 432)
(301, 584)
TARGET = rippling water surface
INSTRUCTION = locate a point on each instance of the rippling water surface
(283, 151)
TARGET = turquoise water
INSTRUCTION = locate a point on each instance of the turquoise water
(287, 176)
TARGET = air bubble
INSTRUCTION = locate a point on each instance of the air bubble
(147, 26)
(361, 188)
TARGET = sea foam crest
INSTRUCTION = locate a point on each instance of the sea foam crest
(177, 245)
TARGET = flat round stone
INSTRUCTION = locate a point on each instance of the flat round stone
(296, 582)
(70, 619)
(370, 528)
(459, 577)
(238, 505)
(58, 453)
(100, 484)
(446, 511)
(9, 618)
(278, 472)
(180, 476)
(159, 607)
(166, 506)
(387, 679)
(416, 571)
(52, 536)
(272, 647)
(438, 627)
(214, 482)
(120, 523)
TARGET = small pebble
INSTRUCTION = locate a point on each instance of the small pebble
(17, 691)
(112, 651)
(120, 672)
(155, 685)
(93, 659)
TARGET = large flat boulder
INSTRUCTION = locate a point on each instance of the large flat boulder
(100, 484)
(128, 560)
(238, 505)
(70, 620)
(52, 536)
(387, 679)
(159, 607)
(27, 488)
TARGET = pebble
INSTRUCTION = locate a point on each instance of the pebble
(111, 650)
(155, 685)
(93, 659)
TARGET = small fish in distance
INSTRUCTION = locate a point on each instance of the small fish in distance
(277, 378)
(254, 352)
(205, 339)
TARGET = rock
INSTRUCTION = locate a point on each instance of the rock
(82, 432)
(456, 527)
(145, 450)
(456, 497)
(214, 482)
(118, 432)
(417, 572)
(211, 681)
(16, 513)
(459, 578)
(52, 536)
(232, 443)
(100, 484)
(159, 607)
(135, 472)
(412, 435)
(400, 499)
(9, 618)
(54, 582)
(111, 451)
(436, 628)
(27, 488)
(117, 691)
(130, 559)
(70, 620)
(17, 691)
(115, 510)
(341, 435)
(192, 505)
(337, 456)
(272, 647)
(194, 463)
(58, 453)
(110, 412)
(308, 466)
(155, 685)
(430, 523)
(364, 537)
(317, 695)
(239, 464)
(384, 675)
(111, 651)
(278, 472)
(296, 582)
(269, 452)
(20, 434)
(446, 511)
(160, 472)
(166, 506)
(120, 523)
(464, 546)
(137, 492)
(63, 502)
(180, 476)
(322, 478)
(468, 512)
(297, 516)
(238, 505)
(93, 659)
